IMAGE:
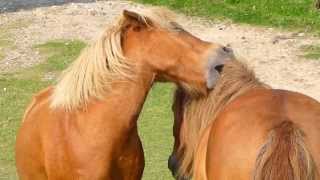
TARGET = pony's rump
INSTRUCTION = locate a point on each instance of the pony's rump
(284, 156)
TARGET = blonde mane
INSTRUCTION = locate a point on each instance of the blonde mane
(198, 113)
(103, 62)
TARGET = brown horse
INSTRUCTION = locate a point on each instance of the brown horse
(245, 130)
(85, 127)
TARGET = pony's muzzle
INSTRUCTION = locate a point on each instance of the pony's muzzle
(216, 61)
(173, 165)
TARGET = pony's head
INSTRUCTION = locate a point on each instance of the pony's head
(148, 41)
(173, 54)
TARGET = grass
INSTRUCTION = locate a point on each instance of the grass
(14, 95)
(311, 51)
(16, 89)
(60, 53)
(155, 129)
(290, 14)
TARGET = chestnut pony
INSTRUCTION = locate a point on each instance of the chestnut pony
(85, 127)
(245, 130)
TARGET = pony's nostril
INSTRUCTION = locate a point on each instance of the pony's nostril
(219, 68)
(227, 49)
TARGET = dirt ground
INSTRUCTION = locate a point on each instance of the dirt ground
(275, 55)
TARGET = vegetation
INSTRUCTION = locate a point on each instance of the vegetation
(297, 14)
(155, 129)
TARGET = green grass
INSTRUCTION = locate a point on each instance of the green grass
(311, 52)
(292, 14)
(14, 95)
(155, 129)
(16, 90)
(60, 53)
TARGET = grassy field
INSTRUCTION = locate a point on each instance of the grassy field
(292, 14)
(16, 91)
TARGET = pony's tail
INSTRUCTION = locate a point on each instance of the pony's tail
(284, 156)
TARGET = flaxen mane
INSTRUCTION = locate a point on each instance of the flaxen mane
(235, 79)
(101, 63)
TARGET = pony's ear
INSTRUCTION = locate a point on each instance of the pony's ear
(133, 16)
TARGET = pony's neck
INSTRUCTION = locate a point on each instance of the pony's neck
(127, 97)
(120, 107)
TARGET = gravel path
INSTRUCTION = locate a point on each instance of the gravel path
(275, 55)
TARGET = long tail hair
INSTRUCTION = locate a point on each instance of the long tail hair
(284, 156)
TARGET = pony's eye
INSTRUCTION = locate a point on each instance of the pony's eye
(176, 27)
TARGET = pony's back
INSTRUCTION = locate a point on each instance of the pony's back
(265, 134)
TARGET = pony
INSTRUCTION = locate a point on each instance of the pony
(85, 126)
(244, 130)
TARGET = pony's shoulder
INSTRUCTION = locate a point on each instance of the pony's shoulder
(44, 93)
(36, 99)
